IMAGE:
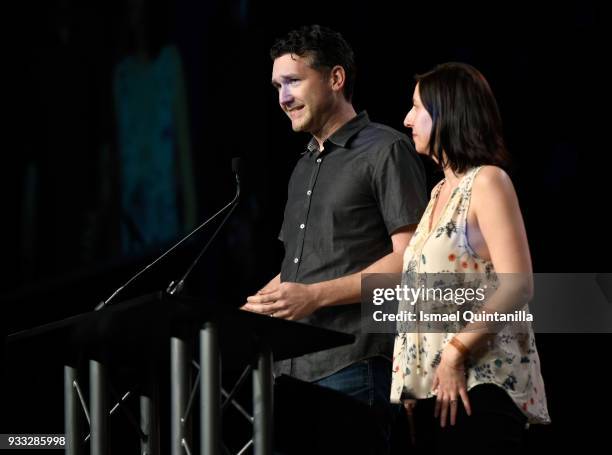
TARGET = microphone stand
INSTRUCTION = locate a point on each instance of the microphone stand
(173, 289)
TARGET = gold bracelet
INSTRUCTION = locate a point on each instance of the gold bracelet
(463, 350)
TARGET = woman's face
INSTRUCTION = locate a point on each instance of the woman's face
(420, 122)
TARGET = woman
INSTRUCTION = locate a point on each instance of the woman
(486, 385)
(156, 182)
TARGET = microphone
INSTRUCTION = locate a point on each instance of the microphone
(236, 166)
(176, 287)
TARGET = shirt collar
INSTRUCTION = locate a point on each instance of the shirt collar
(344, 134)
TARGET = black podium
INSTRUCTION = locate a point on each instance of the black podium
(134, 332)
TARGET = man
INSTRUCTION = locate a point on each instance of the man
(354, 200)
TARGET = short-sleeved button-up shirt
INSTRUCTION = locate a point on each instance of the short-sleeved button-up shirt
(343, 204)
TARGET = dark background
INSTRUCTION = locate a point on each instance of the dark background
(60, 256)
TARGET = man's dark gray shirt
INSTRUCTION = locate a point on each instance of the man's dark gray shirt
(343, 204)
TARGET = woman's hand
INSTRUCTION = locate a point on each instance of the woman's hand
(449, 385)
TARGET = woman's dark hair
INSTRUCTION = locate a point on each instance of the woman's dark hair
(467, 127)
(152, 19)
(326, 49)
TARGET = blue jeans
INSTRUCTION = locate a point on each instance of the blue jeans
(368, 381)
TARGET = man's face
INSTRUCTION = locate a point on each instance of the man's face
(304, 94)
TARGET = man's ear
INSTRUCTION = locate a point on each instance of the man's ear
(337, 78)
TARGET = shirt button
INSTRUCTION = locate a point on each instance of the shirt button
(318, 160)
(308, 192)
(295, 261)
(302, 226)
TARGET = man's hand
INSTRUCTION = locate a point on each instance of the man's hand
(288, 301)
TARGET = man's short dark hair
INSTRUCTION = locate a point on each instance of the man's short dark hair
(325, 47)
